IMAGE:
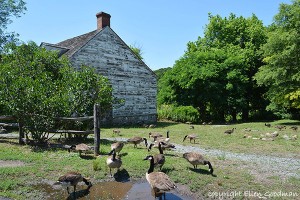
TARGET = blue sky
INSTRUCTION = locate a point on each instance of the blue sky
(161, 28)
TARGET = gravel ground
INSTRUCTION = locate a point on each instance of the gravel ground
(259, 165)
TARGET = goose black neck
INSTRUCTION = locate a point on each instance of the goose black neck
(167, 134)
(114, 155)
(151, 168)
(184, 138)
(160, 149)
(211, 170)
(146, 143)
(86, 181)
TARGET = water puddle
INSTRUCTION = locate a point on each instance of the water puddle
(105, 191)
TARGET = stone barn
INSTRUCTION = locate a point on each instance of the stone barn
(131, 79)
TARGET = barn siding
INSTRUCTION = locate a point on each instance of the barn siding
(131, 79)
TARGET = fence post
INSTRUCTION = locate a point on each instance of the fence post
(97, 129)
(21, 133)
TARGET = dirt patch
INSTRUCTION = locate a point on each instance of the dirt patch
(11, 163)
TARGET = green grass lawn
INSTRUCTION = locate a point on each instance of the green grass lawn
(230, 175)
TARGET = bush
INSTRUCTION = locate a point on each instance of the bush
(178, 114)
(36, 86)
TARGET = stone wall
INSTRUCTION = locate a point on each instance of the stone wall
(131, 79)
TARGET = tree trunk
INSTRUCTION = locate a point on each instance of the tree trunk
(245, 115)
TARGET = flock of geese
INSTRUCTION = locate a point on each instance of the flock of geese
(158, 180)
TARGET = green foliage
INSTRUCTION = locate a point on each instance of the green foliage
(281, 55)
(161, 72)
(178, 114)
(8, 10)
(137, 51)
(36, 86)
(215, 73)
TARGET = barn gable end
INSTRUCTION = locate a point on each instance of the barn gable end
(131, 79)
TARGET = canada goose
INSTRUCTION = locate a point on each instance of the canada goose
(159, 159)
(137, 140)
(116, 131)
(112, 161)
(162, 139)
(164, 146)
(80, 148)
(295, 128)
(274, 134)
(191, 137)
(152, 126)
(2, 130)
(294, 137)
(197, 159)
(192, 127)
(118, 146)
(268, 125)
(72, 179)
(229, 131)
(155, 135)
(159, 181)
(280, 127)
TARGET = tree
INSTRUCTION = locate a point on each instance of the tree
(8, 10)
(36, 86)
(215, 73)
(281, 74)
(160, 72)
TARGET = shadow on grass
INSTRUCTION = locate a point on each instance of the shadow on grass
(10, 141)
(123, 154)
(87, 157)
(167, 169)
(290, 123)
(52, 146)
(201, 171)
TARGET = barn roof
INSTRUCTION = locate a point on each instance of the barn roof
(70, 46)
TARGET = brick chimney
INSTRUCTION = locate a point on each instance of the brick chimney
(103, 20)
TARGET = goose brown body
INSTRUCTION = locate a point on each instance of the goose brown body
(72, 179)
(159, 181)
(118, 146)
(113, 161)
(229, 131)
(155, 135)
(80, 148)
(162, 139)
(137, 140)
(197, 159)
(191, 137)
(164, 146)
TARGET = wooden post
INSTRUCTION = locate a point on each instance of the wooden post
(21, 133)
(97, 129)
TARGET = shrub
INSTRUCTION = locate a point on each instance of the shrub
(178, 114)
(37, 85)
